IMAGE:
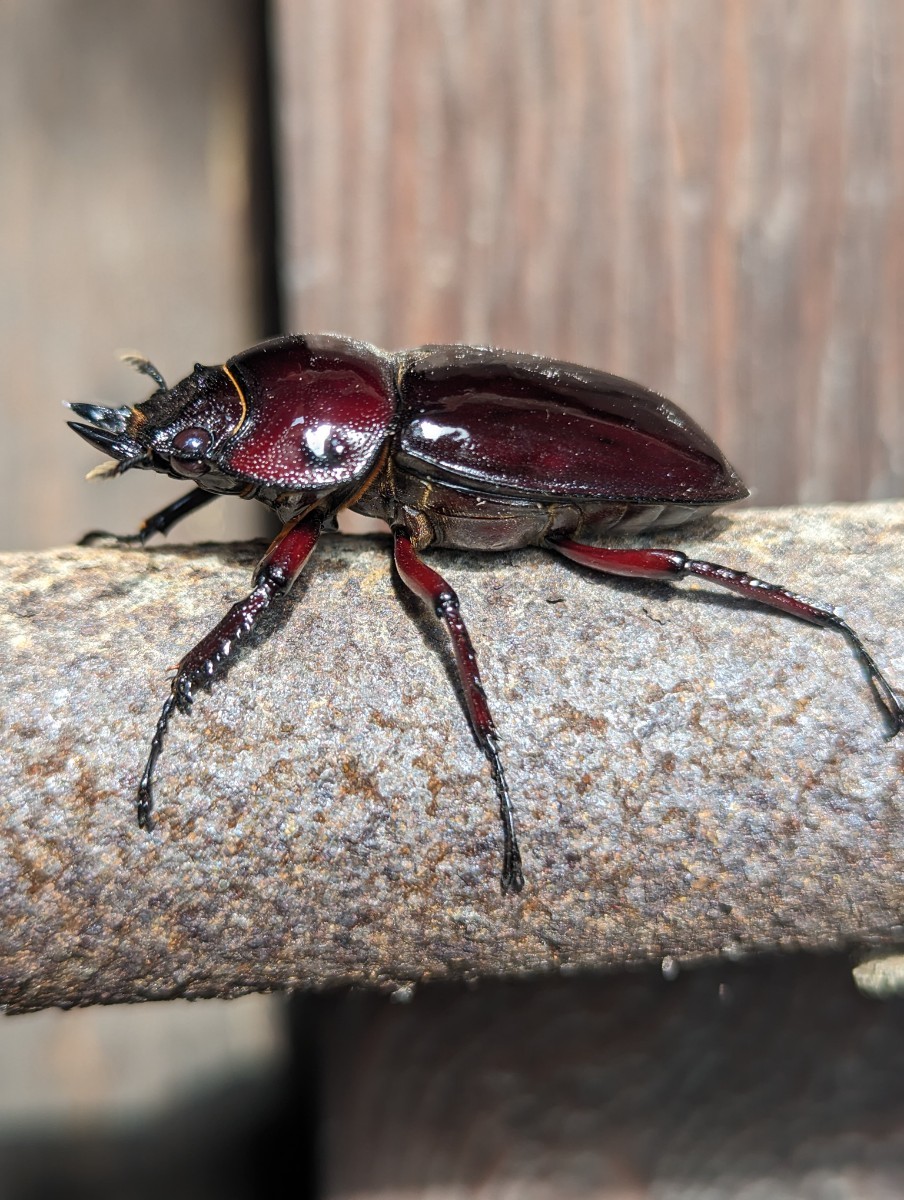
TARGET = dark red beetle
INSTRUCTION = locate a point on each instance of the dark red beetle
(457, 446)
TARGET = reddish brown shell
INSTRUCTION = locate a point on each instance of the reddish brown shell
(502, 423)
(319, 408)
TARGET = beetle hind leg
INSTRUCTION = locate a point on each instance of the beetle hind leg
(672, 564)
(430, 587)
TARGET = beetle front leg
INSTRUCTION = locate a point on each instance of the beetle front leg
(160, 522)
(275, 574)
(669, 564)
(430, 587)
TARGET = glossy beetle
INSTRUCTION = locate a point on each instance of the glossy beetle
(456, 446)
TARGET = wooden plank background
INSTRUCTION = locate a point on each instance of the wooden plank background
(706, 195)
(702, 194)
(125, 222)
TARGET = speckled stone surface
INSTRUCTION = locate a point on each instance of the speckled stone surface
(693, 776)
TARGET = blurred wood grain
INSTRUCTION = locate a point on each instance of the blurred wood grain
(706, 195)
(623, 1088)
(125, 223)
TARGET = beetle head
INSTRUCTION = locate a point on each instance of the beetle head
(304, 415)
(178, 430)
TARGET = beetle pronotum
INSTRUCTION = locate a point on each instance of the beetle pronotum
(456, 446)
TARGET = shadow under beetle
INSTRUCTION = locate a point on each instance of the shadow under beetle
(456, 446)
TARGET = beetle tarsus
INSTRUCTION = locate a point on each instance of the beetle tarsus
(145, 804)
(121, 539)
(512, 879)
(158, 522)
(145, 787)
(512, 873)
(889, 700)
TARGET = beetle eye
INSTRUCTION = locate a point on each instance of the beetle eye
(188, 449)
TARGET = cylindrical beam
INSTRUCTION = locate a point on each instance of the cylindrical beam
(693, 776)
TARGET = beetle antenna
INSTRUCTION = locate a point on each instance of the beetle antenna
(144, 366)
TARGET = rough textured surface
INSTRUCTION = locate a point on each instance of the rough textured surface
(693, 776)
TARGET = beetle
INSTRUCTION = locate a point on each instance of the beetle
(455, 446)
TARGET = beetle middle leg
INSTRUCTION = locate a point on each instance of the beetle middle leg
(669, 564)
(160, 522)
(274, 575)
(430, 587)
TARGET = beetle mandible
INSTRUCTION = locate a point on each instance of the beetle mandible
(458, 446)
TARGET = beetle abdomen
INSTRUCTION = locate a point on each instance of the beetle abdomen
(459, 518)
(515, 424)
